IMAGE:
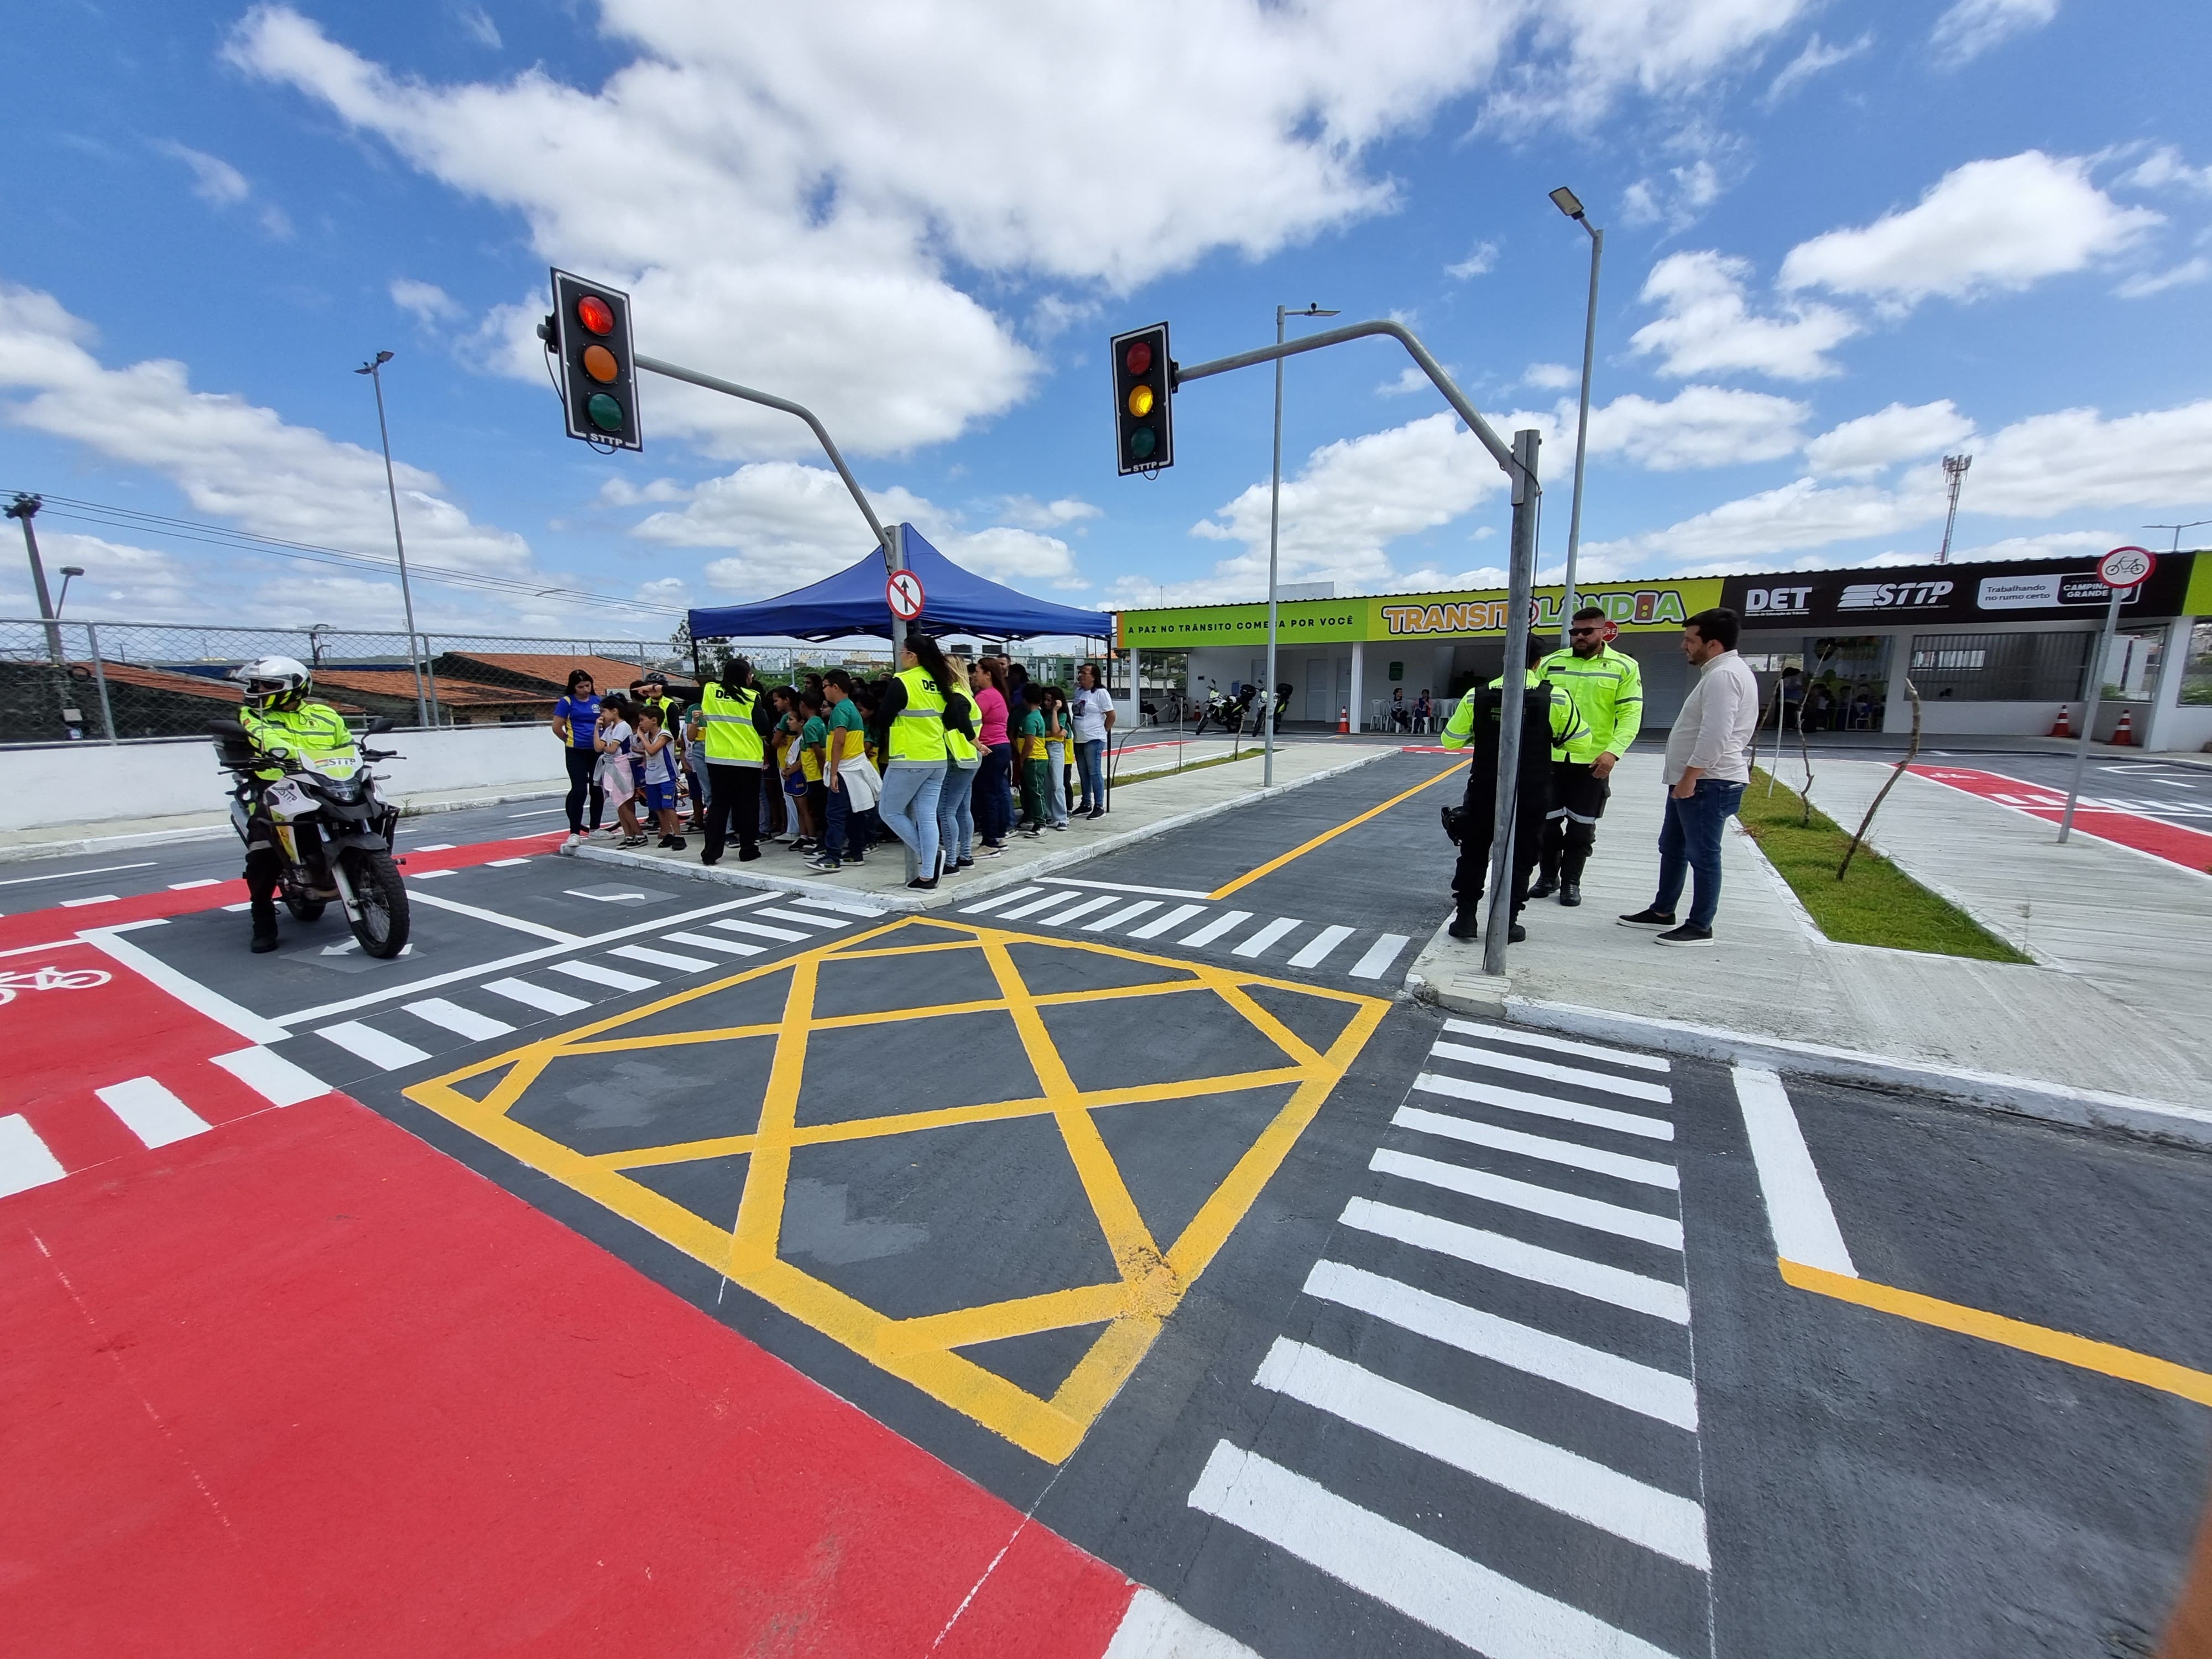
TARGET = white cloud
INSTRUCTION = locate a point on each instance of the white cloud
(1480, 261)
(1676, 201)
(479, 27)
(1816, 59)
(1863, 446)
(1707, 325)
(619, 492)
(1030, 513)
(2146, 284)
(2163, 167)
(1410, 380)
(1550, 377)
(1971, 26)
(426, 300)
(1584, 52)
(1701, 426)
(215, 181)
(1985, 226)
(783, 192)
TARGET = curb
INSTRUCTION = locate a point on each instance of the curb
(980, 885)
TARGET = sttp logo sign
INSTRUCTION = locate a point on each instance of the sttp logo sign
(1895, 595)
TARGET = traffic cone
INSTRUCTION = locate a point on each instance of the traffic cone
(1343, 722)
(2063, 728)
(2124, 735)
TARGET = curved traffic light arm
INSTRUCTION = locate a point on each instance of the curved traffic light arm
(731, 388)
(1500, 451)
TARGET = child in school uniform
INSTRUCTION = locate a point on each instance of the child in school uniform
(655, 748)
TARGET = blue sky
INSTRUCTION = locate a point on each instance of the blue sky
(1842, 240)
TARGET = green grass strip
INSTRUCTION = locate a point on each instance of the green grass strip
(1876, 904)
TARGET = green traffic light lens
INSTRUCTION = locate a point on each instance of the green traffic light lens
(1142, 442)
(606, 414)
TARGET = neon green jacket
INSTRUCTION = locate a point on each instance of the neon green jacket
(305, 732)
(1567, 727)
(1608, 693)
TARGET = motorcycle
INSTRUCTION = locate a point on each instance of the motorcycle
(334, 833)
(1223, 709)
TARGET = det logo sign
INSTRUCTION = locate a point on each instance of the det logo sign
(2027, 591)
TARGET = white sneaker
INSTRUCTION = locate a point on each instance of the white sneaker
(570, 845)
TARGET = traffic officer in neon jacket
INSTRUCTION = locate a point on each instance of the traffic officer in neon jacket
(731, 723)
(292, 732)
(1607, 688)
(1549, 722)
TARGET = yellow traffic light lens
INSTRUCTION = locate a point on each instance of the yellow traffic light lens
(599, 363)
(1140, 401)
(605, 412)
(596, 314)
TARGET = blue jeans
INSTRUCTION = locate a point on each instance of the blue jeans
(911, 789)
(955, 816)
(1690, 845)
(839, 814)
(994, 802)
(1089, 768)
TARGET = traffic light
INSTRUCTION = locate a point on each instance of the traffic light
(588, 333)
(1144, 389)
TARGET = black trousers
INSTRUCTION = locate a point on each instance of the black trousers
(1578, 798)
(733, 797)
(583, 766)
(1472, 873)
(264, 860)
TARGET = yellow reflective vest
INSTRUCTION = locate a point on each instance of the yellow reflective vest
(1567, 726)
(958, 746)
(918, 730)
(726, 726)
(302, 734)
(1608, 693)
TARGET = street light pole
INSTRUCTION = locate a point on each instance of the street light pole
(1274, 518)
(25, 507)
(1567, 202)
(406, 595)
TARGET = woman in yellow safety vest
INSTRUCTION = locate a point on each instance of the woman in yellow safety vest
(731, 724)
(910, 718)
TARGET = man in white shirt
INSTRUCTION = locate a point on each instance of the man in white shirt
(1708, 763)
(1092, 712)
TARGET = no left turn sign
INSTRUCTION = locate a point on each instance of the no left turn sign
(2126, 567)
(903, 593)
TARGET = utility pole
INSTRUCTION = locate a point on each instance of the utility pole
(25, 507)
(1954, 469)
(1520, 580)
(2176, 528)
(1566, 201)
(1274, 518)
(372, 369)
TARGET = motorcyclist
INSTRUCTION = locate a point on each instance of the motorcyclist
(291, 732)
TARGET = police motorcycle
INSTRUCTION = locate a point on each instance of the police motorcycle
(333, 834)
(1225, 709)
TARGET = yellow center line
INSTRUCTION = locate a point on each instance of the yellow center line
(1275, 863)
(2112, 1360)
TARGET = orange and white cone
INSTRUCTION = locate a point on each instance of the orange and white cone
(1343, 722)
(2063, 725)
(2123, 737)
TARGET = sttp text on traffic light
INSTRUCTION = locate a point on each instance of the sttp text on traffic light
(1144, 391)
(589, 336)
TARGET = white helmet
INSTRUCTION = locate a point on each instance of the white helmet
(269, 679)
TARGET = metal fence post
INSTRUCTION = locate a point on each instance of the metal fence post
(99, 679)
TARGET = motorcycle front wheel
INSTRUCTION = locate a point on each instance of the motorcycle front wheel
(381, 920)
(303, 907)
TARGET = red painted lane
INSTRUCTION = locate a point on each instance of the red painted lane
(2176, 843)
(301, 1385)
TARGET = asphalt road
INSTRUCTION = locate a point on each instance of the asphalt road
(2175, 791)
(1351, 1328)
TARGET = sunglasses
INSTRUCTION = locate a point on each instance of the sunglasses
(1573, 632)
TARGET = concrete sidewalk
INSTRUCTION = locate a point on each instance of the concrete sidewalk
(2116, 1010)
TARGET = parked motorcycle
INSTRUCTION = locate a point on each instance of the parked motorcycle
(334, 834)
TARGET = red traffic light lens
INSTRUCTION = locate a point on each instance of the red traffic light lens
(1138, 357)
(599, 363)
(605, 412)
(596, 314)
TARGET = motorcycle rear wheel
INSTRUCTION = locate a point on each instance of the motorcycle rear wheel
(380, 900)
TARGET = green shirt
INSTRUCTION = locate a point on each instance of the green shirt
(1032, 733)
(814, 733)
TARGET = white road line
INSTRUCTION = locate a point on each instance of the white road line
(189, 991)
(184, 886)
(1083, 908)
(1124, 887)
(1560, 1045)
(1114, 919)
(998, 899)
(1797, 1211)
(1037, 906)
(535, 812)
(1567, 1111)
(1573, 1153)
(736, 947)
(233, 909)
(1214, 929)
(433, 875)
(599, 975)
(275, 1078)
(1593, 1213)
(537, 930)
(25, 1162)
(103, 870)
(388, 1053)
(1266, 936)
(1632, 1088)
(1161, 924)
(1153, 1627)
(1533, 1262)
(433, 847)
(479, 1028)
(1602, 1376)
(758, 930)
(1482, 1610)
(1379, 955)
(1532, 1469)
(829, 923)
(843, 906)
(152, 1112)
(646, 953)
(1320, 945)
(503, 864)
(537, 996)
(96, 898)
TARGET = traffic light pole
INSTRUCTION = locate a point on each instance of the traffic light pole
(893, 559)
(1518, 462)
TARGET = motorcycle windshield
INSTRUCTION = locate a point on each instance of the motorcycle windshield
(339, 769)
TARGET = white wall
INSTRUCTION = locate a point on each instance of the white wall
(96, 783)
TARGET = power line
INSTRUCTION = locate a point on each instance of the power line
(193, 530)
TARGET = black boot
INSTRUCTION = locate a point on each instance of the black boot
(264, 925)
(1515, 933)
(1571, 893)
(1548, 883)
(1464, 924)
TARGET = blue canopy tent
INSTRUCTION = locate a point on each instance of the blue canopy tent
(955, 601)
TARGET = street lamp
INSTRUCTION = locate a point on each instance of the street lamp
(1569, 203)
(68, 571)
(406, 597)
(1274, 518)
(315, 633)
(24, 508)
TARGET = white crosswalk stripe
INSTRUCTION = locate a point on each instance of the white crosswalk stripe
(1317, 948)
(25, 1161)
(1163, 923)
(736, 947)
(1038, 906)
(998, 899)
(1146, 919)
(539, 997)
(1088, 907)
(1632, 1088)
(646, 953)
(1114, 919)
(805, 918)
(1228, 921)
(757, 930)
(1409, 1385)
(150, 1110)
(613, 978)
(1379, 955)
(386, 1053)
(1558, 1045)
(1267, 935)
(452, 1016)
